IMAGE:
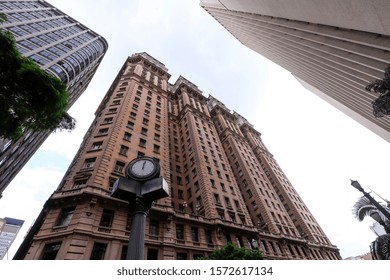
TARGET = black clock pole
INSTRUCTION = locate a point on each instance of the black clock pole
(135, 249)
(141, 187)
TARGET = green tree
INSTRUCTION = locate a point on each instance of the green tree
(30, 98)
(381, 105)
(232, 252)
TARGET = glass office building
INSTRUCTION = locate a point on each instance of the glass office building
(61, 46)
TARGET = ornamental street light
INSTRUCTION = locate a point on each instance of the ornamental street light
(141, 187)
(380, 208)
(380, 248)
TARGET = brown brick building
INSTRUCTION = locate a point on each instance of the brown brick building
(225, 184)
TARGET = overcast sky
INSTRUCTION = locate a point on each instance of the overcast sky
(319, 148)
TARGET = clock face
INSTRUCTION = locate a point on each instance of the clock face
(143, 168)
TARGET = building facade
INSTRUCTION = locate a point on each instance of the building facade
(334, 48)
(225, 185)
(61, 46)
(9, 229)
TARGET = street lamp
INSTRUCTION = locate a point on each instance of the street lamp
(141, 187)
(380, 208)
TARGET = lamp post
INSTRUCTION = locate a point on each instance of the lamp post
(380, 208)
(141, 187)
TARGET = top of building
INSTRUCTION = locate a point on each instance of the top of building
(180, 81)
(12, 221)
(152, 60)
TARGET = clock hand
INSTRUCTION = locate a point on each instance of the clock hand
(143, 165)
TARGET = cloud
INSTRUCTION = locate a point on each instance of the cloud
(24, 196)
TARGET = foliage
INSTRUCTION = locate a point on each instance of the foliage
(30, 98)
(381, 105)
(232, 252)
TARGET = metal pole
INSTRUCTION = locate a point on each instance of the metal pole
(136, 246)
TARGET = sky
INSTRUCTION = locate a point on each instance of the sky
(319, 148)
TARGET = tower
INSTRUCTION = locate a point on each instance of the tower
(59, 45)
(9, 229)
(334, 48)
(225, 185)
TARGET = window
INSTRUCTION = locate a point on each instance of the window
(130, 125)
(180, 231)
(194, 234)
(181, 256)
(124, 252)
(111, 182)
(119, 166)
(127, 136)
(140, 154)
(89, 163)
(216, 199)
(107, 120)
(157, 137)
(180, 194)
(133, 115)
(152, 254)
(254, 205)
(79, 184)
(156, 149)
(97, 146)
(123, 151)
(227, 202)
(103, 131)
(196, 185)
(145, 121)
(237, 205)
(208, 237)
(65, 217)
(50, 251)
(142, 142)
(199, 202)
(107, 218)
(153, 227)
(98, 251)
(249, 192)
(144, 131)
(112, 110)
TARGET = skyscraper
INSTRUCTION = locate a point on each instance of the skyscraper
(61, 46)
(334, 48)
(225, 185)
(9, 229)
